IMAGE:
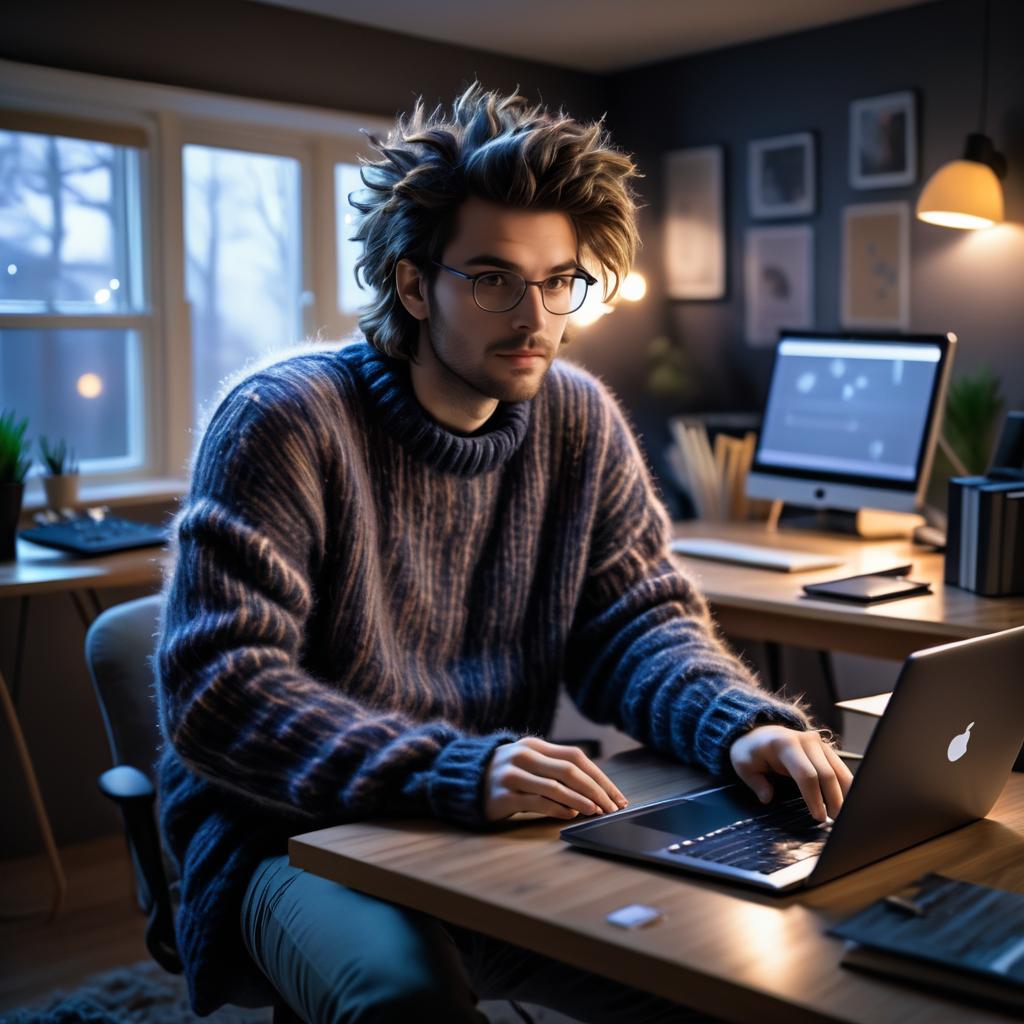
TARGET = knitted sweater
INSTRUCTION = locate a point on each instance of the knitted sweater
(363, 605)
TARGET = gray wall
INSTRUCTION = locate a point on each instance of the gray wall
(967, 282)
(273, 53)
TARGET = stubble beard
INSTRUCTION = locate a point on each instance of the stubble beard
(478, 380)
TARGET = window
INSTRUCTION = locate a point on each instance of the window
(74, 324)
(243, 254)
(153, 242)
(351, 295)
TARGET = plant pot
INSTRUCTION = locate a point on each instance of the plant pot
(61, 490)
(10, 513)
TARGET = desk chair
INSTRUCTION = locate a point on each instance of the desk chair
(117, 650)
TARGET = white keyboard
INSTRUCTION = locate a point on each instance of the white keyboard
(779, 559)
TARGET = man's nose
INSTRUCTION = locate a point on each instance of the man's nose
(530, 315)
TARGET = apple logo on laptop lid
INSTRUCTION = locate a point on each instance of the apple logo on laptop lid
(958, 745)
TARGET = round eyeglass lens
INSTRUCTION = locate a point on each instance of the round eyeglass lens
(498, 293)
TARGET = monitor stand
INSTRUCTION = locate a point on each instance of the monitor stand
(870, 523)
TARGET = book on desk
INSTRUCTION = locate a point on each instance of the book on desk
(961, 937)
(985, 535)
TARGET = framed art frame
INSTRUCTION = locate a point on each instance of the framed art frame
(883, 141)
(779, 272)
(876, 265)
(694, 224)
(781, 176)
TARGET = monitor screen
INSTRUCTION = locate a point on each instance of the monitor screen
(852, 410)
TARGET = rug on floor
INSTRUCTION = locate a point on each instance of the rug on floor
(144, 993)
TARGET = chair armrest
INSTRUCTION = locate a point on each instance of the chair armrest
(134, 794)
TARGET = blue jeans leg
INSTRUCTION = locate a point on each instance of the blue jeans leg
(335, 955)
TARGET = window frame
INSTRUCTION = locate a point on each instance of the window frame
(172, 118)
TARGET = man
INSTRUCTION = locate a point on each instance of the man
(391, 557)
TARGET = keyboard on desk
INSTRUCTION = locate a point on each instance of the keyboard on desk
(765, 843)
(761, 557)
(86, 536)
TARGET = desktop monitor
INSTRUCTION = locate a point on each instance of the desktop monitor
(851, 421)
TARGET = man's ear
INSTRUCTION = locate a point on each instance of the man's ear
(412, 289)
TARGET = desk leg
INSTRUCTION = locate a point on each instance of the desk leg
(19, 647)
(83, 612)
(56, 869)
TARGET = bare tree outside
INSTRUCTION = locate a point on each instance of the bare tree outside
(243, 260)
(64, 250)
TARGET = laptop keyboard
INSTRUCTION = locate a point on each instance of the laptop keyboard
(765, 843)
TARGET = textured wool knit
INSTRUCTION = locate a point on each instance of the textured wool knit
(364, 604)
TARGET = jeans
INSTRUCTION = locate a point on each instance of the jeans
(335, 955)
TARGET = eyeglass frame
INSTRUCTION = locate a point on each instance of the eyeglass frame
(578, 272)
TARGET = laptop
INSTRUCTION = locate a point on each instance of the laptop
(937, 760)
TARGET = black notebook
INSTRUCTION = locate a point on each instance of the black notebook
(964, 938)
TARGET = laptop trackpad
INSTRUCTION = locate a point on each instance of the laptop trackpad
(690, 818)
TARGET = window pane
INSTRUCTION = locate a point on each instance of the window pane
(243, 250)
(70, 238)
(82, 385)
(351, 296)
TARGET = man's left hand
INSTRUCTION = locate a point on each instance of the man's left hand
(816, 768)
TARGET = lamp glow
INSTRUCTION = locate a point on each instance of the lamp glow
(634, 287)
(89, 385)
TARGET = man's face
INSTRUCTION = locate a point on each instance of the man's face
(499, 355)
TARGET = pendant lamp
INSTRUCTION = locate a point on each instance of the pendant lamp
(967, 193)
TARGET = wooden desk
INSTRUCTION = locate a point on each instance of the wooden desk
(760, 604)
(41, 570)
(734, 953)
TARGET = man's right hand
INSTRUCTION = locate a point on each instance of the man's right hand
(532, 774)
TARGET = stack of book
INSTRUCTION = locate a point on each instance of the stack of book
(959, 937)
(714, 477)
(985, 535)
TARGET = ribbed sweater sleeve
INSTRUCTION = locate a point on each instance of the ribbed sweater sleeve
(236, 703)
(644, 653)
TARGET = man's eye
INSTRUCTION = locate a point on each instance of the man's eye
(493, 280)
(557, 284)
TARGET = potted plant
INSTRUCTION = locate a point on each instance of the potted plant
(61, 477)
(14, 463)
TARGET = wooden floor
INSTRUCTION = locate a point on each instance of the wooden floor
(99, 927)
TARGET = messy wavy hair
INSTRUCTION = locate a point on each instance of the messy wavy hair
(493, 147)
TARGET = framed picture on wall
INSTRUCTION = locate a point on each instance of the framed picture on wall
(694, 224)
(883, 141)
(876, 265)
(780, 179)
(779, 281)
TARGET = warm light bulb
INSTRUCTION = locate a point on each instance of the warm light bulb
(634, 288)
(89, 385)
(962, 194)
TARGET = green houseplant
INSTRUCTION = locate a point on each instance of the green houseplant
(14, 464)
(61, 473)
(973, 406)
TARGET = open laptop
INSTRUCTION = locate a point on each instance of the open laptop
(937, 760)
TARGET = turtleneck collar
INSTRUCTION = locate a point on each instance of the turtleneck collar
(389, 387)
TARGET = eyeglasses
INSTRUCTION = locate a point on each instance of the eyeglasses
(498, 291)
